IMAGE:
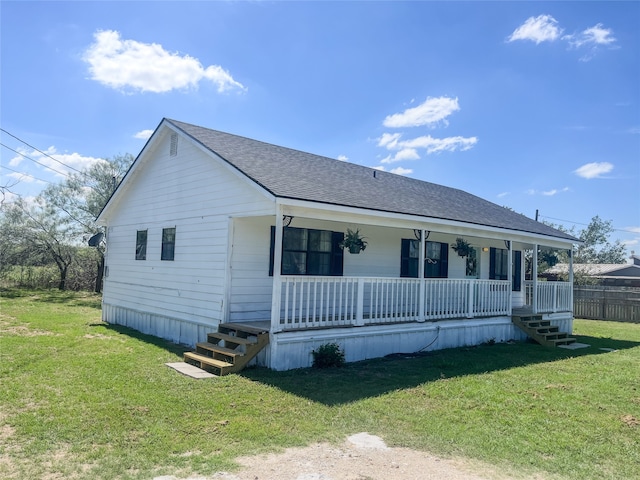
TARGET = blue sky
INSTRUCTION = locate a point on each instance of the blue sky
(531, 105)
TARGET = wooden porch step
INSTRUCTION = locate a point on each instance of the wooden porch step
(218, 365)
(542, 331)
(230, 339)
(214, 348)
(242, 327)
(536, 323)
(229, 349)
(550, 329)
(553, 335)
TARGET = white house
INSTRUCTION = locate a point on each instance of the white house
(209, 228)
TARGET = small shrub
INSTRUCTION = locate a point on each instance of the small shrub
(328, 355)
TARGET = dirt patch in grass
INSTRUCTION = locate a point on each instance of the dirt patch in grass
(361, 457)
(20, 330)
(101, 336)
(630, 421)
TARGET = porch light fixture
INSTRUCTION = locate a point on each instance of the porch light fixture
(507, 244)
(286, 220)
(485, 249)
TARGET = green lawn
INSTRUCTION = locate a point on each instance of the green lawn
(82, 399)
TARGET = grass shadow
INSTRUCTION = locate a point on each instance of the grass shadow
(371, 378)
(167, 345)
(61, 297)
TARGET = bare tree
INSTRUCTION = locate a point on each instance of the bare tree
(36, 229)
(82, 196)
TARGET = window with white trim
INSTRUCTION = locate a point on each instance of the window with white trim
(141, 245)
(308, 251)
(168, 243)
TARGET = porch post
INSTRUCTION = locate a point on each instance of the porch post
(534, 278)
(422, 282)
(571, 278)
(360, 303)
(510, 270)
(276, 293)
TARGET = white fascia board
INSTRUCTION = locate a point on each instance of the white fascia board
(399, 220)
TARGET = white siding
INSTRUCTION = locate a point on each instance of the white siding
(251, 285)
(195, 194)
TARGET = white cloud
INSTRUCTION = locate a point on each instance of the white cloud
(432, 111)
(389, 140)
(404, 154)
(503, 194)
(547, 193)
(59, 163)
(593, 39)
(543, 28)
(436, 145)
(22, 177)
(634, 130)
(596, 35)
(594, 170)
(143, 134)
(148, 67)
(555, 191)
(408, 149)
(343, 158)
(401, 171)
(429, 113)
(17, 160)
(75, 160)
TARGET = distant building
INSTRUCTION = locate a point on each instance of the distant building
(607, 274)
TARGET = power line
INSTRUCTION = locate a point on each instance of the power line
(41, 152)
(586, 224)
(39, 163)
(26, 174)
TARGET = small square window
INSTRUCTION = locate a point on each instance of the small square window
(141, 245)
(168, 243)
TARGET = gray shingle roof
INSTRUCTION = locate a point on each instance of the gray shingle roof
(597, 269)
(293, 174)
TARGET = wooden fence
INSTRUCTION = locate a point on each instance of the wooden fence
(607, 303)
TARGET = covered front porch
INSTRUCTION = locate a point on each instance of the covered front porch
(410, 288)
(497, 274)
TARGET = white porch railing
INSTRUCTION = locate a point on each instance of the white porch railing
(551, 296)
(308, 302)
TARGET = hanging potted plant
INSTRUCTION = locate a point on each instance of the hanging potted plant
(353, 241)
(462, 247)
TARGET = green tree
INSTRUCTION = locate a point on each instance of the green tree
(35, 229)
(597, 248)
(82, 196)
